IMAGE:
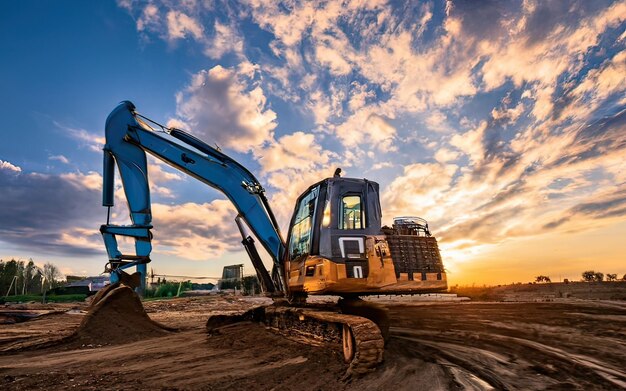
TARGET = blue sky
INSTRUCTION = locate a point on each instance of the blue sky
(502, 123)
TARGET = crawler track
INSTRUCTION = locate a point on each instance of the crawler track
(326, 327)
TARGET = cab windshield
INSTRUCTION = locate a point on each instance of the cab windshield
(302, 231)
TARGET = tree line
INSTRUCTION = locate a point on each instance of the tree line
(18, 277)
(587, 276)
(591, 276)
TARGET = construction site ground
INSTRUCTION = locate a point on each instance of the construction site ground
(563, 344)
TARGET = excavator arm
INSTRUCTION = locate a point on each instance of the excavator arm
(128, 138)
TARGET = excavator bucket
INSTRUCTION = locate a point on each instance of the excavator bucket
(131, 280)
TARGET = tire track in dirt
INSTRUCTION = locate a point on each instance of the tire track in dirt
(521, 346)
(492, 367)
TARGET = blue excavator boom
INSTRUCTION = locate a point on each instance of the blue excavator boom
(128, 138)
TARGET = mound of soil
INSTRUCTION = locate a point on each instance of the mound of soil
(117, 316)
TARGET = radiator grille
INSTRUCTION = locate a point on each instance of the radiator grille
(413, 254)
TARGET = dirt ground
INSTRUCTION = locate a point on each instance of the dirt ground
(433, 346)
(604, 290)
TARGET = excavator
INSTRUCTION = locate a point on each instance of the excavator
(336, 244)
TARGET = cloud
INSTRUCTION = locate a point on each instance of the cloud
(161, 173)
(196, 231)
(225, 106)
(524, 115)
(320, 105)
(90, 181)
(41, 211)
(160, 177)
(289, 166)
(226, 40)
(381, 165)
(8, 167)
(507, 115)
(472, 19)
(332, 56)
(611, 205)
(61, 215)
(359, 96)
(418, 189)
(59, 158)
(445, 155)
(541, 54)
(437, 121)
(569, 181)
(490, 227)
(296, 151)
(174, 21)
(471, 142)
(91, 141)
(181, 25)
(149, 17)
(367, 128)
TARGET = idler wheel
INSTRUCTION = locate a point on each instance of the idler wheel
(348, 343)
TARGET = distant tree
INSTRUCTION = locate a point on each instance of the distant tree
(2, 277)
(251, 285)
(9, 272)
(32, 278)
(21, 277)
(599, 276)
(624, 278)
(19, 274)
(611, 277)
(52, 275)
(566, 281)
(542, 279)
(589, 276)
(37, 282)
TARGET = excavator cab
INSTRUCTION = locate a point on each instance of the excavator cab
(336, 245)
(331, 220)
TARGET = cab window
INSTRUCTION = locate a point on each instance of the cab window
(351, 214)
(301, 233)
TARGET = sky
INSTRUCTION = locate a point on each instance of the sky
(502, 123)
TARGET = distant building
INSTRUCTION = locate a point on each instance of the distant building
(233, 272)
(207, 286)
(93, 283)
(231, 277)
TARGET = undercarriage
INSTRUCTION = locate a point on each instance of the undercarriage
(355, 327)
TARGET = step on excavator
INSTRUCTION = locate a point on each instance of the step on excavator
(336, 244)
